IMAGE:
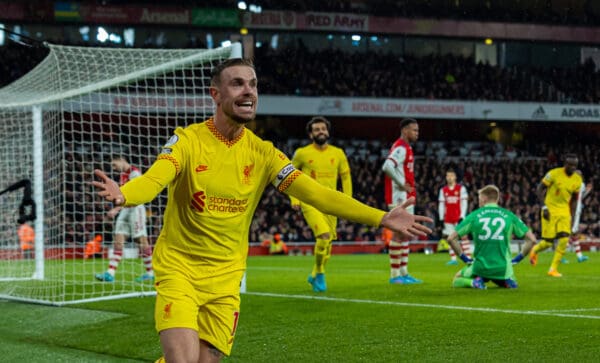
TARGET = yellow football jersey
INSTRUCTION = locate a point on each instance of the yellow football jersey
(324, 165)
(561, 187)
(212, 199)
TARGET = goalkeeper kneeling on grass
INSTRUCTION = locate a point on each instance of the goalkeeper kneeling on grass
(492, 228)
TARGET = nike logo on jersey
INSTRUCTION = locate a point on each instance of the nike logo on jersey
(201, 168)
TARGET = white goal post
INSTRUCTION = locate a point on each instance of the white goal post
(71, 114)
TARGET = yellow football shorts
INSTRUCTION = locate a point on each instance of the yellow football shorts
(556, 224)
(181, 304)
(319, 222)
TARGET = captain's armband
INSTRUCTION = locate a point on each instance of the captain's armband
(280, 181)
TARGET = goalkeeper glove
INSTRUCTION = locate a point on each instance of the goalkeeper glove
(466, 259)
(517, 259)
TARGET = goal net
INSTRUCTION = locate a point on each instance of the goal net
(73, 113)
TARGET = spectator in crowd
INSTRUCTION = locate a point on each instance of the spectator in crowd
(93, 247)
(26, 240)
(276, 246)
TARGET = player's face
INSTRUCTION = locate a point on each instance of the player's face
(237, 94)
(571, 165)
(118, 165)
(450, 178)
(411, 132)
(319, 133)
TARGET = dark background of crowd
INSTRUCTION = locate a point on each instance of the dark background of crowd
(300, 71)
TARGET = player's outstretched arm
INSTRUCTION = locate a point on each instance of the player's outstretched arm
(530, 241)
(332, 202)
(139, 190)
(453, 242)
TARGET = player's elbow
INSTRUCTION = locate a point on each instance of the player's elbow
(387, 166)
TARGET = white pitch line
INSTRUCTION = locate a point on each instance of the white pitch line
(562, 310)
(448, 307)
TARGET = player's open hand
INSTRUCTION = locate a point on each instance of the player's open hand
(108, 188)
(404, 223)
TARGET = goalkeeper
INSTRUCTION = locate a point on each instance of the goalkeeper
(216, 172)
(492, 228)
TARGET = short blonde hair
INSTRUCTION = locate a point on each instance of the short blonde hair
(490, 192)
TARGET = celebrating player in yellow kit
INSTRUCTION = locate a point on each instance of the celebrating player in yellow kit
(216, 172)
(324, 163)
(558, 190)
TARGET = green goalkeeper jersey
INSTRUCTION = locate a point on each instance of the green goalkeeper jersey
(492, 228)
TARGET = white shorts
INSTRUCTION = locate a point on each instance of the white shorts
(132, 222)
(398, 197)
(449, 228)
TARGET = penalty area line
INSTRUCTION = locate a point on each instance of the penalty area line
(419, 305)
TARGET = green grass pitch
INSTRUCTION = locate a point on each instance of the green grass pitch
(361, 318)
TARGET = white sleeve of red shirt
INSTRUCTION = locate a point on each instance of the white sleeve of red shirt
(396, 158)
(441, 204)
(464, 201)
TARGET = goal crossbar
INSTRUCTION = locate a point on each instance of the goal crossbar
(12, 95)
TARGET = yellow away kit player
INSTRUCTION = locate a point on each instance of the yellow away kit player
(324, 163)
(562, 187)
(214, 188)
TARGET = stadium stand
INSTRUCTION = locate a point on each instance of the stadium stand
(388, 75)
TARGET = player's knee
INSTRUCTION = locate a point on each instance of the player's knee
(209, 353)
(325, 236)
(562, 235)
(322, 245)
(143, 242)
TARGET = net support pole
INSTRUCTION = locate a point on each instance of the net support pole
(38, 191)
